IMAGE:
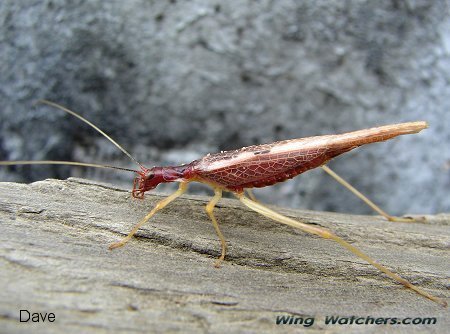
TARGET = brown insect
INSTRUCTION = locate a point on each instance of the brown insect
(258, 166)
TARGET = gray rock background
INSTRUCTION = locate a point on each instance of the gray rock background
(174, 80)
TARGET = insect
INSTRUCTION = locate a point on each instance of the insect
(257, 166)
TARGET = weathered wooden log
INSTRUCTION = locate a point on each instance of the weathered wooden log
(54, 258)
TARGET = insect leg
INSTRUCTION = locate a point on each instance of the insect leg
(328, 235)
(368, 201)
(251, 195)
(160, 205)
(209, 210)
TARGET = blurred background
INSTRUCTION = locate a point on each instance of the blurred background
(174, 80)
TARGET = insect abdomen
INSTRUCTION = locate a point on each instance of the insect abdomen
(263, 165)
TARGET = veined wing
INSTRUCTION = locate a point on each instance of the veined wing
(260, 165)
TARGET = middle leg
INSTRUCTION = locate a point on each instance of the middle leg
(209, 210)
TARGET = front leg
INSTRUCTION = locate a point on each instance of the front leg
(160, 205)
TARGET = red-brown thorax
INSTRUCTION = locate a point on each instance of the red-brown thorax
(148, 178)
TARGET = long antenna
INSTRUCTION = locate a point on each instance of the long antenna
(56, 162)
(93, 126)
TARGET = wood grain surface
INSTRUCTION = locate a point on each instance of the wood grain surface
(54, 257)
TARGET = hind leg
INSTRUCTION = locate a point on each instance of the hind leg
(368, 201)
(265, 211)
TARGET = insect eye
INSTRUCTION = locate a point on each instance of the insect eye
(150, 176)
